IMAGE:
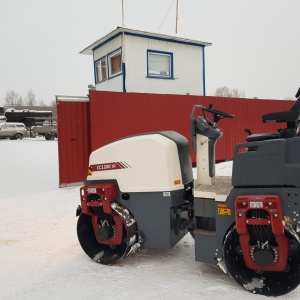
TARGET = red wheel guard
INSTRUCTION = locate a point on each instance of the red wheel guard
(272, 205)
(107, 193)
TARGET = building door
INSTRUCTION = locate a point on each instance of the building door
(73, 139)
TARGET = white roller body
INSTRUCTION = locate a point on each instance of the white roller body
(143, 163)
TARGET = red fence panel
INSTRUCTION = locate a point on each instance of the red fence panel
(115, 115)
(108, 116)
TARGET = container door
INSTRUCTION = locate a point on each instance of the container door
(73, 139)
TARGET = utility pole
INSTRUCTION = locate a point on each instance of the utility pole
(122, 13)
(176, 28)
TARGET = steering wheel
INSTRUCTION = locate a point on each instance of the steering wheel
(218, 113)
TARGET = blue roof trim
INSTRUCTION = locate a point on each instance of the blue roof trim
(107, 41)
(148, 37)
(164, 39)
(203, 70)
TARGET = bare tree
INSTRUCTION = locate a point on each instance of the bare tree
(12, 98)
(20, 101)
(42, 103)
(52, 103)
(224, 91)
(30, 98)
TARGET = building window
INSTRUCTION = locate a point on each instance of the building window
(100, 67)
(160, 64)
(115, 63)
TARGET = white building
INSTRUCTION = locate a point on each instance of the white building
(129, 60)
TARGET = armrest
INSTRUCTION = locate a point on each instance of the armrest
(278, 117)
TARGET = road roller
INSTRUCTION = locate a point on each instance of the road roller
(142, 192)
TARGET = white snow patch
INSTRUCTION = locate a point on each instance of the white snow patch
(98, 256)
(256, 283)
(224, 168)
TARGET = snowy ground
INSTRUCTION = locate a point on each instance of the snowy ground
(41, 258)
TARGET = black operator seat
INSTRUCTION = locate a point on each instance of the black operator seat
(291, 118)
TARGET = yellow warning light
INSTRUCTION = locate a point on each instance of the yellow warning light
(90, 171)
(177, 181)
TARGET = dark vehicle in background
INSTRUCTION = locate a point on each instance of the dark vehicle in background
(28, 116)
(2, 117)
(48, 131)
(39, 122)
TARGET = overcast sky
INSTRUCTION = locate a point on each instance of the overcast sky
(255, 42)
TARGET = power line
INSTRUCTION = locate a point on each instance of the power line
(166, 15)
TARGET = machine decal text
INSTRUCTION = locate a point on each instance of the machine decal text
(110, 166)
